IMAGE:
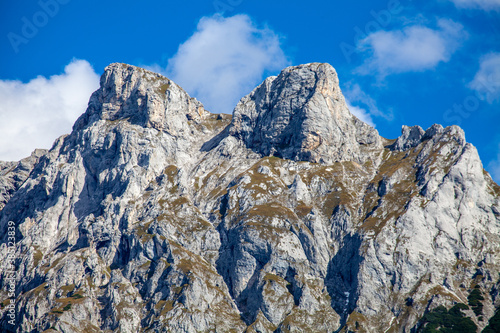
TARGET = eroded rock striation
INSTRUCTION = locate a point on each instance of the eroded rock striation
(290, 216)
(302, 115)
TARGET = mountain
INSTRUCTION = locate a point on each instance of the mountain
(291, 215)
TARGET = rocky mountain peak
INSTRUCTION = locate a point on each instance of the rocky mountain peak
(143, 98)
(301, 115)
(156, 215)
(412, 136)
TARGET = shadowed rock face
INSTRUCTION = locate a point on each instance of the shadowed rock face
(14, 174)
(143, 98)
(291, 216)
(302, 115)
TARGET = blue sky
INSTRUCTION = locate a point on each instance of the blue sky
(399, 62)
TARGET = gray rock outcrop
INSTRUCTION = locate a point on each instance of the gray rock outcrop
(14, 174)
(290, 216)
(302, 115)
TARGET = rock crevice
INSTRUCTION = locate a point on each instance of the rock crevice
(289, 216)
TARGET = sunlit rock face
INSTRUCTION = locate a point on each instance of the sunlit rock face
(302, 115)
(290, 216)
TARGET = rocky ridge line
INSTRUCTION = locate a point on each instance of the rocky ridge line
(293, 215)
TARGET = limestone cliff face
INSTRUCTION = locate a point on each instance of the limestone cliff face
(14, 174)
(290, 216)
(302, 115)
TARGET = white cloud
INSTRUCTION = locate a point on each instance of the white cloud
(34, 114)
(362, 105)
(415, 48)
(487, 80)
(478, 4)
(494, 168)
(361, 113)
(224, 60)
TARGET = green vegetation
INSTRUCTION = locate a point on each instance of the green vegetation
(395, 200)
(475, 299)
(65, 303)
(302, 210)
(272, 277)
(493, 188)
(186, 266)
(146, 265)
(164, 88)
(355, 323)
(164, 306)
(48, 266)
(494, 323)
(67, 289)
(143, 233)
(441, 320)
(37, 257)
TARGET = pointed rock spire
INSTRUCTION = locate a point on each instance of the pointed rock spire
(302, 115)
(143, 98)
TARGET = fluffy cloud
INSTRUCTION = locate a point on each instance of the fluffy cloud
(478, 4)
(224, 60)
(361, 113)
(487, 79)
(362, 105)
(415, 48)
(34, 114)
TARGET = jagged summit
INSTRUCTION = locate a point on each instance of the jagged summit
(156, 215)
(143, 98)
(301, 115)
